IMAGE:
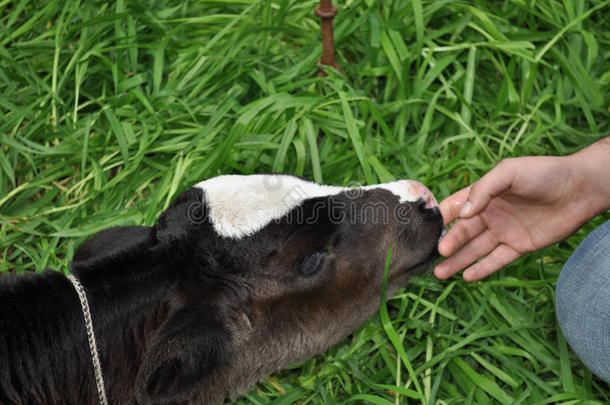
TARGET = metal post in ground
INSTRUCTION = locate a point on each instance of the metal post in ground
(326, 11)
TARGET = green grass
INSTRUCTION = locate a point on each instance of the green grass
(109, 109)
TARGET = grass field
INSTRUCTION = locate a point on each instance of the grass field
(109, 109)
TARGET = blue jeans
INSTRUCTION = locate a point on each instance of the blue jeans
(582, 300)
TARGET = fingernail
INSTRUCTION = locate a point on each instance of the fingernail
(466, 208)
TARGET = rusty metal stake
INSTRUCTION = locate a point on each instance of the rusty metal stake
(327, 12)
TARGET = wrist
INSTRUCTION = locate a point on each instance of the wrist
(591, 176)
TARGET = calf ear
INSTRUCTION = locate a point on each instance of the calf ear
(112, 242)
(184, 354)
(181, 218)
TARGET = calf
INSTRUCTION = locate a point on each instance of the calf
(239, 277)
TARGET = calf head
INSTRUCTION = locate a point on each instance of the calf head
(274, 269)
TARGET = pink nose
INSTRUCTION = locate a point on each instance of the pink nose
(421, 191)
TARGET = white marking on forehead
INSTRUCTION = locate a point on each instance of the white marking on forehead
(241, 205)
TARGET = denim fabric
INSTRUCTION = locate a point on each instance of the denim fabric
(583, 301)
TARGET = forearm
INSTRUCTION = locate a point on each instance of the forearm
(591, 168)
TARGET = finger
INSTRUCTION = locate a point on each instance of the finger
(500, 257)
(459, 234)
(499, 179)
(471, 252)
(450, 207)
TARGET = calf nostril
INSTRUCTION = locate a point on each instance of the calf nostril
(422, 192)
(437, 211)
(431, 201)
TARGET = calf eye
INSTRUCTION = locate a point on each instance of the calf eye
(312, 264)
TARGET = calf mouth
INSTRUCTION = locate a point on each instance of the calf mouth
(426, 264)
(427, 231)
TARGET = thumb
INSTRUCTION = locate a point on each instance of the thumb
(494, 183)
(451, 206)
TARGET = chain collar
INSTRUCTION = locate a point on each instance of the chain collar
(99, 379)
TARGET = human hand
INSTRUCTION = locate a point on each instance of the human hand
(522, 205)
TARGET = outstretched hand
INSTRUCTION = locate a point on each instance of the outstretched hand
(522, 205)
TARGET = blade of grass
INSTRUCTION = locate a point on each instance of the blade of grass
(391, 332)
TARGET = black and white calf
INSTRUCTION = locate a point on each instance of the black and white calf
(239, 277)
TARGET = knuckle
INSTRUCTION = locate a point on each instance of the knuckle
(506, 162)
(476, 189)
(463, 233)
